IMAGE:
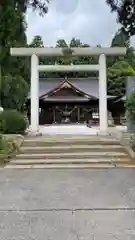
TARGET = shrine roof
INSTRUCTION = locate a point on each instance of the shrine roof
(89, 86)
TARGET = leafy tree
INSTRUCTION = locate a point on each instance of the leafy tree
(12, 34)
(13, 26)
(61, 43)
(125, 14)
(121, 40)
(130, 105)
(15, 70)
(41, 6)
(117, 75)
(37, 42)
(75, 59)
(13, 92)
(67, 59)
(120, 67)
(75, 42)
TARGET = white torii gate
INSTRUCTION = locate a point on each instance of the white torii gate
(36, 68)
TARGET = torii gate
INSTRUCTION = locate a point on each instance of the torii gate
(34, 53)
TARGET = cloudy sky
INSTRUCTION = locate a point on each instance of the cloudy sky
(88, 20)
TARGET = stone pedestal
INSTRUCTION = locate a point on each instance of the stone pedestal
(110, 120)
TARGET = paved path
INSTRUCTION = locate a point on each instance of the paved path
(67, 204)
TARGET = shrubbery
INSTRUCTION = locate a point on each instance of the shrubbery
(12, 122)
(3, 144)
(130, 105)
(132, 142)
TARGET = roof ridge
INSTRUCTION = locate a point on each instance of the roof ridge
(74, 78)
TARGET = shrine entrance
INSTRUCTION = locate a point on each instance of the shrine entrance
(36, 68)
(67, 103)
(70, 113)
(66, 114)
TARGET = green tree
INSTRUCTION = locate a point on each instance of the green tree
(121, 40)
(37, 42)
(125, 14)
(15, 70)
(39, 5)
(14, 91)
(130, 105)
(12, 34)
(75, 59)
(117, 75)
(120, 67)
(61, 43)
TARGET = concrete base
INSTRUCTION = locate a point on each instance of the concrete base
(102, 133)
(72, 129)
(30, 132)
(68, 129)
(75, 129)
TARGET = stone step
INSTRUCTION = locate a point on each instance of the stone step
(77, 155)
(59, 166)
(61, 142)
(70, 148)
(72, 161)
(63, 136)
(69, 166)
(67, 137)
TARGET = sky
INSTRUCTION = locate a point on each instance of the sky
(89, 20)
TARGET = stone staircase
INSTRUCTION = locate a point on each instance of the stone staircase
(70, 152)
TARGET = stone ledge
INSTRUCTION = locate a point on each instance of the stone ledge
(124, 138)
(30, 132)
(14, 142)
(130, 152)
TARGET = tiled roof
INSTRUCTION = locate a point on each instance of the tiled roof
(87, 85)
